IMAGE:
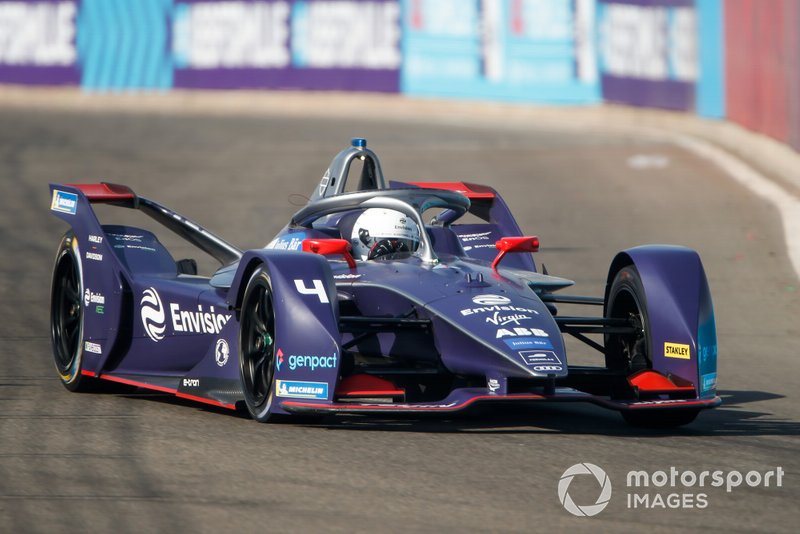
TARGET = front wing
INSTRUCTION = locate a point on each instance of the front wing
(463, 398)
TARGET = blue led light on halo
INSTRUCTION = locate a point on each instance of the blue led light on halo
(359, 142)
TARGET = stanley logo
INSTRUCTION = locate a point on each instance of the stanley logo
(676, 350)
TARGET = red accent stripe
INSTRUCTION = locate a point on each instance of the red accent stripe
(362, 385)
(142, 385)
(468, 190)
(645, 406)
(162, 389)
(105, 192)
(649, 381)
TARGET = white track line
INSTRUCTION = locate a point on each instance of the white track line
(787, 204)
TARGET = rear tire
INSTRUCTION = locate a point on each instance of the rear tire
(257, 347)
(67, 316)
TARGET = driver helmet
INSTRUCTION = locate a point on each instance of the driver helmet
(380, 231)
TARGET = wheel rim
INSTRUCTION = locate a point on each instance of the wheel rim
(67, 313)
(630, 349)
(258, 344)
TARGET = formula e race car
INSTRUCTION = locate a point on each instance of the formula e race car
(358, 306)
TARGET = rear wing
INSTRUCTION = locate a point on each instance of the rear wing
(478, 240)
(486, 204)
(68, 198)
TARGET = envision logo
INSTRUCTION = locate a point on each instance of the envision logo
(153, 317)
(221, 352)
(198, 322)
(602, 500)
(490, 300)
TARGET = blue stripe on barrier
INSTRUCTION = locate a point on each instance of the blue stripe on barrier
(711, 58)
(671, 22)
(299, 33)
(162, 41)
(152, 18)
(136, 65)
(124, 44)
(86, 24)
(180, 35)
(106, 43)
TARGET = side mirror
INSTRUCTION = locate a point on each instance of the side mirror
(515, 244)
(329, 247)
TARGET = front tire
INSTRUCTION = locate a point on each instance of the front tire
(628, 353)
(67, 316)
(257, 346)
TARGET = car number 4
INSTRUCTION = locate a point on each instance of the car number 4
(318, 289)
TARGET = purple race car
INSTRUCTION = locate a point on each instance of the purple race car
(359, 306)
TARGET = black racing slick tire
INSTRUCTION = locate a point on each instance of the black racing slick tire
(628, 353)
(257, 346)
(67, 316)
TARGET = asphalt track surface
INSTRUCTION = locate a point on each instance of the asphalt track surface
(146, 462)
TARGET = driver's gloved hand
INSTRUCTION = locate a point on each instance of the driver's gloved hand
(382, 248)
(387, 246)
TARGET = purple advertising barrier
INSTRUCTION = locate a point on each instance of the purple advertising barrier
(289, 78)
(38, 45)
(648, 52)
(667, 94)
(281, 44)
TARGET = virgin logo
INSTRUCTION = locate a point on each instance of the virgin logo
(153, 317)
